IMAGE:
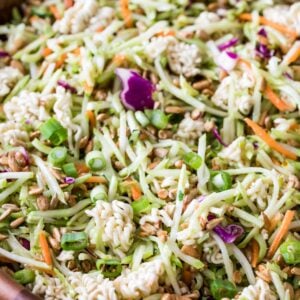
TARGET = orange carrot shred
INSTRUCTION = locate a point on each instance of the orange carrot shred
(100, 29)
(279, 103)
(262, 20)
(283, 230)
(68, 3)
(119, 59)
(46, 51)
(254, 253)
(164, 33)
(96, 179)
(81, 167)
(91, 116)
(294, 56)
(55, 12)
(135, 191)
(126, 13)
(61, 60)
(269, 140)
(76, 51)
(45, 248)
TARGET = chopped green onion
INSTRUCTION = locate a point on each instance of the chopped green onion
(52, 130)
(290, 251)
(221, 289)
(113, 265)
(24, 276)
(142, 205)
(222, 181)
(57, 155)
(70, 170)
(159, 119)
(37, 144)
(99, 193)
(74, 241)
(193, 160)
(95, 160)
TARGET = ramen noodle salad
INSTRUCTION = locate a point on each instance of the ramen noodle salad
(150, 149)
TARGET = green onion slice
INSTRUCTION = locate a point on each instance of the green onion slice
(52, 130)
(57, 155)
(74, 241)
(193, 160)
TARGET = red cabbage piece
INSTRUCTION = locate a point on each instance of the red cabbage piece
(218, 136)
(25, 155)
(69, 180)
(232, 42)
(229, 233)
(137, 91)
(3, 54)
(263, 51)
(262, 32)
(25, 243)
(67, 86)
(227, 60)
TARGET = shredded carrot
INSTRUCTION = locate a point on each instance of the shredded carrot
(87, 88)
(119, 59)
(269, 140)
(293, 57)
(55, 12)
(96, 179)
(61, 60)
(246, 63)
(168, 32)
(76, 51)
(91, 116)
(283, 230)
(135, 191)
(279, 103)
(100, 29)
(68, 3)
(81, 167)
(126, 13)
(46, 51)
(34, 19)
(45, 248)
(254, 253)
(263, 21)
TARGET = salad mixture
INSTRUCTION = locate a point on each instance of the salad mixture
(150, 149)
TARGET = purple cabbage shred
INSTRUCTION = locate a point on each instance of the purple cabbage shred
(67, 86)
(232, 42)
(137, 91)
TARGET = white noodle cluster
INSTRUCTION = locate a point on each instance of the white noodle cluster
(8, 78)
(92, 286)
(63, 113)
(190, 129)
(259, 291)
(259, 192)
(158, 45)
(239, 84)
(84, 14)
(184, 59)
(285, 15)
(27, 106)
(212, 253)
(157, 216)
(238, 152)
(50, 288)
(114, 221)
(141, 283)
(10, 132)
